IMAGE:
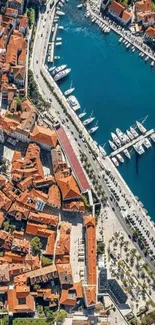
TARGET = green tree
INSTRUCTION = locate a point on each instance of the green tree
(36, 245)
(100, 247)
(59, 315)
(46, 261)
(36, 286)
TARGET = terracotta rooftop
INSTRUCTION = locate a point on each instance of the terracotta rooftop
(44, 135)
(4, 273)
(143, 6)
(91, 250)
(90, 295)
(74, 206)
(150, 32)
(54, 196)
(69, 188)
(20, 301)
(44, 218)
(116, 8)
(65, 275)
(126, 15)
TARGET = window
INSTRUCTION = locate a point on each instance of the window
(22, 301)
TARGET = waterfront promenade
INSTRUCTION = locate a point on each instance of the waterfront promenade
(127, 35)
(99, 166)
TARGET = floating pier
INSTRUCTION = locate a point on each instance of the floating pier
(53, 43)
(131, 143)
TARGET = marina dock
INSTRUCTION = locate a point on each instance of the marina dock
(131, 143)
(53, 43)
(121, 33)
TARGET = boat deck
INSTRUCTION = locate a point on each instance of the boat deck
(131, 143)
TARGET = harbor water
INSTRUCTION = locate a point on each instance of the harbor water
(114, 83)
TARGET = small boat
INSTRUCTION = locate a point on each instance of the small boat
(56, 57)
(115, 139)
(152, 137)
(73, 102)
(52, 69)
(58, 43)
(69, 91)
(147, 143)
(61, 27)
(60, 13)
(115, 161)
(80, 6)
(120, 40)
(123, 137)
(102, 150)
(141, 127)
(139, 148)
(59, 38)
(112, 145)
(93, 129)
(88, 121)
(127, 153)
(130, 135)
(152, 63)
(82, 114)
(120, 158)
(134, 132)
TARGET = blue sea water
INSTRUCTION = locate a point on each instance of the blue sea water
(116, 85)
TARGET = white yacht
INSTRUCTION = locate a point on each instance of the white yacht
(138, 148)
(73, 102)
(112, 145)
(58, 43)
(69, 91)
(120, 158)
(52, 69)
(60, 68)
(123, 137)
(127, 153)
(82, 114)
(134, 132)
(62, 74)
(56, 57)
(141, 127)
(93, 129)
(115, 161)
(119, 133)
(102, 150)
(147, 143)
(60, 13)
(89, 120)
(115, 139)
(80, 5)
(130, 135)
(61, 27)
(59, 38)
(152, 137)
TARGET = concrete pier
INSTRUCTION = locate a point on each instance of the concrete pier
(131, 143)
(53, 43)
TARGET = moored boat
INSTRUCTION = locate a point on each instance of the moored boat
(147, 143)
(115, 139)
(52, 69)
(88, 121)
(73, 102)
(127, 153)
(115, 161)
(130, 135)
(69, 91)
(152, 137)
(82, 114)
(139, 148)
(112, 145)
(120, 158)
(61, 74)
(93, 129)
(134, 132)
(141, 127)
(60, 68)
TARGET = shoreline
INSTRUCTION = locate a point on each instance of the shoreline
(121, 32)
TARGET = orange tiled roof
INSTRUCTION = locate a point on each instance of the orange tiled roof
(2, 181)
(4, 273)
(20, 301)
(11, 12)
(54, 196)
(150, 32)
(143, 5)
(44, 135)
(44, 218)
(65, 275)
(74, 206)
(63, 244)
(20, 245)
(5, 240)
(90, 295)
(1, 218)
(126, 15)
(116, 7)
(5, 202)
(91, 250)
(67, 298)
(69, 188)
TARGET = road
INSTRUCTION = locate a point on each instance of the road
(117, 200)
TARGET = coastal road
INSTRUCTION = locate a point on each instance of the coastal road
(38, 57)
